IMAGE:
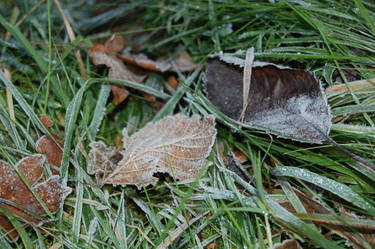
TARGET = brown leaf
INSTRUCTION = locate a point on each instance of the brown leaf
(117, 69)
(172, 82)
(23, 203)
(182, 62)
(175, 143)
(287, 244)
(46, 121)
(115, 44)
(287, 102)
(48, 147)
(8, 228)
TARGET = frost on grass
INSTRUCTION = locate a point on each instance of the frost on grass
(20, 201)
(286, 102)
(176, 145)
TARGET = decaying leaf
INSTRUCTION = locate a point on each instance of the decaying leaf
(176, 145)
(48, 147)
(287, 102)
(106, 55)
(287, 244)
(182, 62)
(19, 200)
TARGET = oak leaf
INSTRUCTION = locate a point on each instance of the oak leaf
(176, 145)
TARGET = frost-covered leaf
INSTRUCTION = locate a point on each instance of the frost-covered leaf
(18, 198)
(176, 145)
(287, 102)
(182, 61)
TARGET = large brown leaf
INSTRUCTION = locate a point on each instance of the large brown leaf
(20, 201)
(176, 143)
(287, 102)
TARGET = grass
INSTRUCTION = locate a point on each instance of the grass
(334, 39)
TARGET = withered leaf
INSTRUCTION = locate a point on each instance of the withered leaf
(182, 62)
(117, 70)
(51, 150)
(20, 201)
(175, 143)
(286, 102)
(48, 147)
(287, 244)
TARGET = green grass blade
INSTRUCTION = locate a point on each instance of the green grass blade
(330, 185)
(25, 43)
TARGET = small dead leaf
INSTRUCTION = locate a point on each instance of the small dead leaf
(182, 62)
(175, 143)
(106, 55)
(46, 121)
(287, 102)
(172, 82)
(287, 244)
(240, 156)
(115, 44)
(23, 203)
(48, 147)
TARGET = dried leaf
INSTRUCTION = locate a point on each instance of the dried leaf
(8, 228)
(286, 102)
(115, 44)
(48, 147)
(46, 121)
(117, 70)
(20, 200)
(182, 62)
(176, 143)
(287, 244)
(172, 82)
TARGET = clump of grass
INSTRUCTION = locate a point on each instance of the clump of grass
(334, 39)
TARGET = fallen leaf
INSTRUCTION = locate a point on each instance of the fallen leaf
(176, 145)
(8, 228)
(287, 244)
(48, 147)
(286, 102)
(114, 44)
(172, 82)
(240, 156)
(182, 62)
(46, 121)
(106, 55)
(20, 201)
